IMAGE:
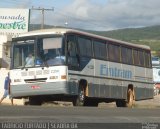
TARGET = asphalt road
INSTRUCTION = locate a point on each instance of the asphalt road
(79, 115)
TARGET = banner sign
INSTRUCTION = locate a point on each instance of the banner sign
(13, 21)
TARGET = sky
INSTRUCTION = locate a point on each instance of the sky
(92, 14)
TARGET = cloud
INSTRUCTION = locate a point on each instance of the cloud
(111, 14)
(124, 13)
(23, 4)
(94, 14)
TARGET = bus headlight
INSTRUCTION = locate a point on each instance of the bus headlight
(17, 80)
(53, 77)
(63, 77)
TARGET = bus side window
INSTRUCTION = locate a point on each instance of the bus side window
(72, 51)
(147, 60)
(136, 57)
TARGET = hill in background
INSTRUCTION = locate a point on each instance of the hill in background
(147, 35)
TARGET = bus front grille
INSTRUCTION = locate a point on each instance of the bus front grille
(35, 80)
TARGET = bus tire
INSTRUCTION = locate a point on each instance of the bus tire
(120, 103)
(35, 101)
(80, 98)
(130, 98)
(91, 103)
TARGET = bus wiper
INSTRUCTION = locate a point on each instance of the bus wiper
(23, 67)
(46, 64)
(40, 62)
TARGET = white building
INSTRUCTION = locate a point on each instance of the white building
(12, 22)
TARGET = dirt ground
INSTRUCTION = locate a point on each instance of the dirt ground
(149, 103)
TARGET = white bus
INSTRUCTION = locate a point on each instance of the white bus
(80, 67)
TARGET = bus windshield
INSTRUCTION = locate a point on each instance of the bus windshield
(41, 51)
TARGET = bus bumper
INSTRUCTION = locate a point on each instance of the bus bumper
(49, 88)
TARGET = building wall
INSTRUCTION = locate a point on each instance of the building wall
(1, 47)
(5, 43)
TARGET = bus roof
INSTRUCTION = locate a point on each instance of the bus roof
(67, 30)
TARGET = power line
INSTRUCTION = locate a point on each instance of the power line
(42, 10)
(91, 20)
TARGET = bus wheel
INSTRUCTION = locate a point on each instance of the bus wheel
(80, 98)
(35, 101)
(130, 98)
(120, 103)
(91, 103)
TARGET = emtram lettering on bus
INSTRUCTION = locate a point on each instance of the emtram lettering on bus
(115, 72)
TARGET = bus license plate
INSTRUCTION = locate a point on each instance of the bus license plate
(35, 87)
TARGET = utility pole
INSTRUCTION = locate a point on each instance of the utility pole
(42, 9)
